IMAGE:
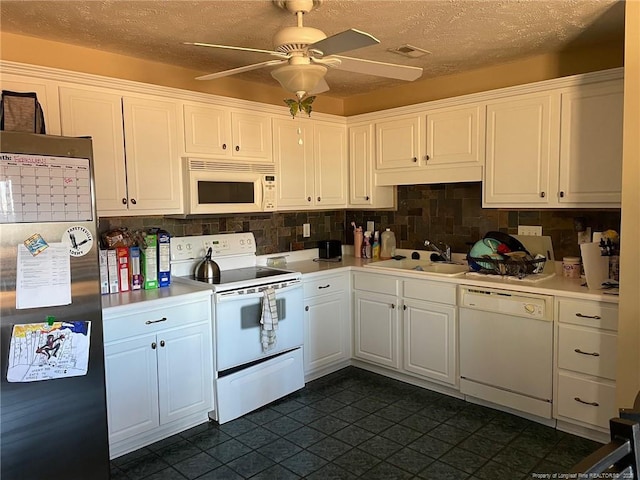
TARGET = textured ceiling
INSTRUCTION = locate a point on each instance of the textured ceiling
(461, 34)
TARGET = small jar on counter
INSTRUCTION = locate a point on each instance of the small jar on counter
(571, 267)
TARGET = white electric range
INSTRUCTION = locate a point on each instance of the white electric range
(246, 376)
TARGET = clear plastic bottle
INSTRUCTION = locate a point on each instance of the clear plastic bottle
(388, 244)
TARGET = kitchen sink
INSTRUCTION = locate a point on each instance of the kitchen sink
(436, 268)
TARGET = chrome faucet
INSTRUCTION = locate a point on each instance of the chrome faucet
(445, 254)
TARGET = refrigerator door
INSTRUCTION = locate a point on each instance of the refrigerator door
(54, 429)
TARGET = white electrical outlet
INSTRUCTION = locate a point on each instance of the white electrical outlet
(306, 230)
(530, 230)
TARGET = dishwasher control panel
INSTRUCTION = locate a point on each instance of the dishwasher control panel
(506, 302)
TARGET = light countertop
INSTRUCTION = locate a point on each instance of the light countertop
(114, 302)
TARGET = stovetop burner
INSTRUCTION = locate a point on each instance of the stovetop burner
(241, 275)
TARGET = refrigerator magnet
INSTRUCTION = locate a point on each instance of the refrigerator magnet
(79, 239)
(35, 244)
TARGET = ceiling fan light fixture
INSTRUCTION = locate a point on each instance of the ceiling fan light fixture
(299, 79)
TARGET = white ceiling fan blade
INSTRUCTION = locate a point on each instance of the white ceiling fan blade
(321, 87)
(246, 68)
(344, 41)
(243, 49)
(380, 69)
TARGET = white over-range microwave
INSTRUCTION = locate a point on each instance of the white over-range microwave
(212, 186)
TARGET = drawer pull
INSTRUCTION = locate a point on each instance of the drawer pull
(593, 354)
(324, 286)
(593, 404)
(149, 322)
(595, 317)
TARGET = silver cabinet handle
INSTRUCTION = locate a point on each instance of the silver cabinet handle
(593, 354)
(595, 317)
(149, 322)
(593, 404)
(324, 286)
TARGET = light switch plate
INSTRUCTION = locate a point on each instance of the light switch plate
(306, 230)
(530, 230)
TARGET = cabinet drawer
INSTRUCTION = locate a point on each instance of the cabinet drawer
(325, 285)
(430, 291)
(587, 351)
(156, 319)
(586, 400)
(375, 283)
(589, 314)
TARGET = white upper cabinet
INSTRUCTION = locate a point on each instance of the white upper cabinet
(398, 142)
(591, 145)
(46, 91)
(217, 131)
(311, 164)
(135, 145)
(522, 145)
(555, 149)
(435, 146)
(363, 193)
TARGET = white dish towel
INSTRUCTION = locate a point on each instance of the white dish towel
(269, 319)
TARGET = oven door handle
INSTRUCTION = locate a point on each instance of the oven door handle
(230, 296)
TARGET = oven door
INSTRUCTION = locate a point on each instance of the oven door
(237, 326)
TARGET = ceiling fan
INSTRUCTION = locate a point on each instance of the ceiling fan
(304, 53)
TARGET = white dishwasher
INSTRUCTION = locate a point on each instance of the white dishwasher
(506, 348)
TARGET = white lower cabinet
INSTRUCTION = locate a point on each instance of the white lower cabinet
(159, 371)
(327, 323)
(407, 324)
(586, 344)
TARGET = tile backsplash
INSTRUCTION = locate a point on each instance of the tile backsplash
(451, 213)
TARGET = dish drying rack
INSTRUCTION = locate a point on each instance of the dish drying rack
(511, 266)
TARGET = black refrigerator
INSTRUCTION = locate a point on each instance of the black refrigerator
(52, 384)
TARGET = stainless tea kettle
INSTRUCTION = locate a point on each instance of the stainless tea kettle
(207, 269)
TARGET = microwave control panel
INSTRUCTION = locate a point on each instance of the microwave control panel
(270, 194)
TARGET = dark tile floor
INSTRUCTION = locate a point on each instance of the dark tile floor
(356, 424)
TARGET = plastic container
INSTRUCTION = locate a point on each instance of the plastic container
(571, 267)
(388, 244)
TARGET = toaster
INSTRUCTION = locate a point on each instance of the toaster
(330, 249)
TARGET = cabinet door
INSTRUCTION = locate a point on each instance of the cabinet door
(522, 151)
(132, 387)
(251, 134)
(455, 136)
(376, 328)
(361, 165)
(47, 93)
(327, 326)
(98, 114)
(398, 143)
(293, 150)
(207, 130)
(153, 164)
(591, 145)
(185, 372)
(430, 340)
(330, 165)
